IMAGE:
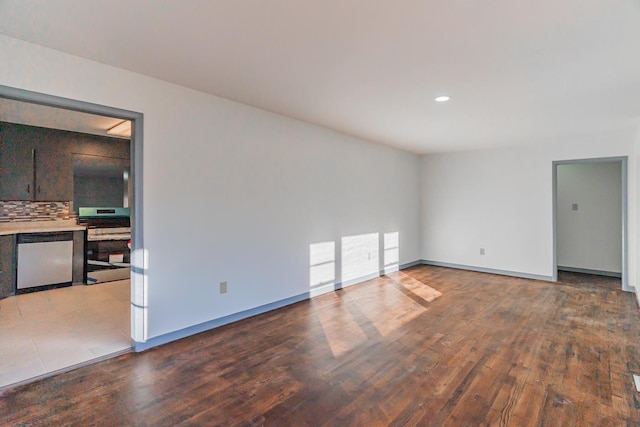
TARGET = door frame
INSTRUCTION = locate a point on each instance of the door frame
(624, 217)
(138, 266)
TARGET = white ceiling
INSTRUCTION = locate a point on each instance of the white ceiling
(517, 70)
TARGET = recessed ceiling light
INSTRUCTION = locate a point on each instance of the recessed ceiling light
(443, 98)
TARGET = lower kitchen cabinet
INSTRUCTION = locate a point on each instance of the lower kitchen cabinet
(8, 256)
(7, 265)
(79, 271)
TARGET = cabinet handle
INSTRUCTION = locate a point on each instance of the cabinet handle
(28, 188)
(39, 191)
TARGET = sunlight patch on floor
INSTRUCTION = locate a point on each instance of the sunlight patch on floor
(342, 331)
(414, 286)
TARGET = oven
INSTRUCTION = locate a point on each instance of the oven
(108, 243)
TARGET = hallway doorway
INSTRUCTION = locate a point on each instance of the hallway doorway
(590, 217)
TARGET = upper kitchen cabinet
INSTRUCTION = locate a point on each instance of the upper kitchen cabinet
(16, 167)
(37, 164)
(34, 164)
(53, 173)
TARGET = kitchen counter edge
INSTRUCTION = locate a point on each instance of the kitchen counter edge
(40, 228)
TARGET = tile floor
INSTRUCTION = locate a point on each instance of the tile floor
(43, 332)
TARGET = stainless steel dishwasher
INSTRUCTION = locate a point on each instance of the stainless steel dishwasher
(44, 259)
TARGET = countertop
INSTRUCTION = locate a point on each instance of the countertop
(7, 228)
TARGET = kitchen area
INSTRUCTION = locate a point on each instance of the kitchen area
(65, 239)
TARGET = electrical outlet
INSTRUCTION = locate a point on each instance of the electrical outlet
(223, 287)
(481, 251)
(574, 207)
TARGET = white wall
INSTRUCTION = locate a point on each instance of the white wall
(232, 192)
(501, 200)
(635, 248)
(591, 236)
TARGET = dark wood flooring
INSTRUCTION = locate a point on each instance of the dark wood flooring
(426, 346)
(589, 280)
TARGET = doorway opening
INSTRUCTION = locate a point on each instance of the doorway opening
(132, 294)
(590, 218)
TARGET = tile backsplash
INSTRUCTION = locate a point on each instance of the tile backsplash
(24, 211)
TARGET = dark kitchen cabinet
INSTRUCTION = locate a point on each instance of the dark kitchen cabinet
(53, 174)
(7, 265)
(32, 167)
(16, 169)
(37, 164)
(79, 254)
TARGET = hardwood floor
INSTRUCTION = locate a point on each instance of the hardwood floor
(425, 346)
(590, 280)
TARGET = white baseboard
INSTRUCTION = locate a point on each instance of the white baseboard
(488, 270)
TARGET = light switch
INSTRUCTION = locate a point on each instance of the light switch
(574, 207)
